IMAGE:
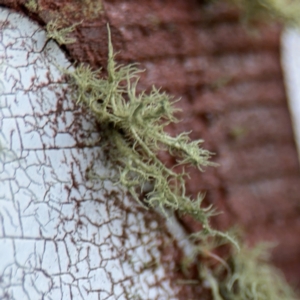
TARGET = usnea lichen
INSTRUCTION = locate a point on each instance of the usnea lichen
(58, 32)
(248, 275)
(136, 123)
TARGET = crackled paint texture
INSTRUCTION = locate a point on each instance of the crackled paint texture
(63, 234)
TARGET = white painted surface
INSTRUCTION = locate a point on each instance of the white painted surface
(62, 235)
(290, 57)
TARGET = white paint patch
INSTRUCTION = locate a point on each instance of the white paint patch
(290, 57)
(62, 235)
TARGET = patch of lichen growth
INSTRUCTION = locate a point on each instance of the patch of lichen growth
(91, 8)
(56, 30)
(285, 11)
(32, 5)
(79, 10)
(247, 275)
(136, 122)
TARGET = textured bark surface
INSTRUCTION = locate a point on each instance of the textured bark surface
(230, 81)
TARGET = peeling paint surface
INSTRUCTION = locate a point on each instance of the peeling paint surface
(64, 234)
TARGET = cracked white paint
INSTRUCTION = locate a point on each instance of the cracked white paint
(62, 235)
(290, 46)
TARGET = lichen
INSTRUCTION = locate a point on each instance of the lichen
(58, 32)
(136, 131)
(32, 5)
(285, 11)
(250, 276)
(84, 9)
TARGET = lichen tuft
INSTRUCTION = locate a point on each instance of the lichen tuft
(136, 123)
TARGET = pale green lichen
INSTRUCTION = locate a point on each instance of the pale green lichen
(251, 277)
(136, 123)
(56, 31)
(83, 9)
(285, 11)
(92, 8)
(32, 5)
